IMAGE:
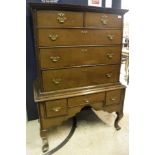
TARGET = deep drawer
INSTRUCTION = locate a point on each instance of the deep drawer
(102, 20)
(56, 37)
(59, 19)
(79, 77)
(87, 100)
(113, 97)
(56, 108)
(66, 57)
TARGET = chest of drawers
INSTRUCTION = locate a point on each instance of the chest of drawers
(78, 55)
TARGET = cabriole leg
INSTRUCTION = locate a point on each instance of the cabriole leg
(118, 118)
(45, 145)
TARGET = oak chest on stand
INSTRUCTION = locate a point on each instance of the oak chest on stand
(78, 53)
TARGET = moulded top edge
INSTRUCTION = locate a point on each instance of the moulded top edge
(68, 7)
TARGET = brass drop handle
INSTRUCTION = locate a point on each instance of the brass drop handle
(56, 81)
(61, 17)
(110, 55)
(53, 37)
(108, 75)
(84, 50)
(84, 31)
(56, 109)
(55, 58)
(113, 99)
(110, 37)
(104, 20)
(86, 101)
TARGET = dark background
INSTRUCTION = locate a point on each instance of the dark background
(30, 57)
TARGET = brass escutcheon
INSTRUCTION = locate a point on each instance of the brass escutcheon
(84, 31)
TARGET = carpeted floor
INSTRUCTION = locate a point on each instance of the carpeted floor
(94, 135)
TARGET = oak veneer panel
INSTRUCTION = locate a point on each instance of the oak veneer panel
(67, 57)
(78, 37)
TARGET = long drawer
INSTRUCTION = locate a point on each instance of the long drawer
(66, 57)
(53, 37)
(79, 77)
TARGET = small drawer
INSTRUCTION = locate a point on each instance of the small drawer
(59, 19)
(56, 108)
(87, 99)
(103, 20)
(113, 97)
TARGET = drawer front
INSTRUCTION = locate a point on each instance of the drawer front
(113, 97)
(79, 77)
(66, 57)
(59, 19)
(53, 37)
(103, 20)
(56, 108)
(87, 99)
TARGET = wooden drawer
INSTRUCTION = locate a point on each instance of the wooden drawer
(59, 19)
(113, 97)
(87, 99)
(79, 77)
(56, 108)
(102, 20)
(53, 37)
(66, 57)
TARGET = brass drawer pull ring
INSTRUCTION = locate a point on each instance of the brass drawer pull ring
(113, 99)
(109, 75)
(56, 109)
(110, 55)
(110, 37)
(104, 20)
(55, 58)
(56, 81)
(61, 18)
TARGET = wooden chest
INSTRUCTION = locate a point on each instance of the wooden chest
(78, 53)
